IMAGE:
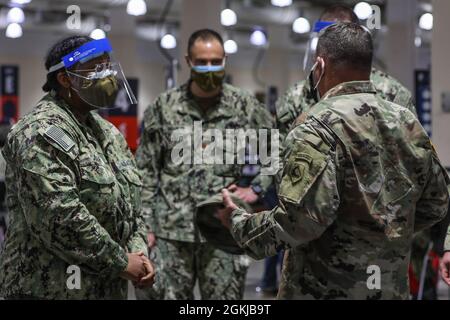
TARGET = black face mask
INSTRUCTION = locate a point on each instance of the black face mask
(314, 90)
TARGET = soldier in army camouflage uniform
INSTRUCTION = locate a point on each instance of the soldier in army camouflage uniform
(172, 191)
(360, 176)
(300, 98)
(73, 195)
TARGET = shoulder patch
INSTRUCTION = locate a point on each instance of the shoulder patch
(60, 137)
(302, 169)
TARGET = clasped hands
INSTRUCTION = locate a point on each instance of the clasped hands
(139, 270)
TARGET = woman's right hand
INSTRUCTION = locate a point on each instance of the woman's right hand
(136, 268)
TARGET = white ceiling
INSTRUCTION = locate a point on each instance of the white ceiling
(46, 21)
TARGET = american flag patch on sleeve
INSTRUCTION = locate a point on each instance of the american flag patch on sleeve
(60, 137)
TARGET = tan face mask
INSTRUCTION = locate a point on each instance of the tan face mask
(208, 78)
(99, 93)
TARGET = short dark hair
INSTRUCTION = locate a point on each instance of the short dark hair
(339, 13)
(204, 35)
(348, 45)
(55, 55)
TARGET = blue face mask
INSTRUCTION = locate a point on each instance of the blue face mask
(205, 69)
(314, 86)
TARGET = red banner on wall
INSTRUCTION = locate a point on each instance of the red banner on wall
(9, 94)
(128, 126)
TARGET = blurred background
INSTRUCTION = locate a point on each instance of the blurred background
(266, 40)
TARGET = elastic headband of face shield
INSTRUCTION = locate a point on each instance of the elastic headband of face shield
(320, 25)
(86, 52)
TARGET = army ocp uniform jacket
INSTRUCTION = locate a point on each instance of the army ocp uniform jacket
(360, 176)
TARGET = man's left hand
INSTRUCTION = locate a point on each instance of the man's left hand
(224, 215)
(246, 194)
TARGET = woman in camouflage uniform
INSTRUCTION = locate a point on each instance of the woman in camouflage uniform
(73, 190)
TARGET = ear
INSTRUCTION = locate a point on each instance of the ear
(63, 80)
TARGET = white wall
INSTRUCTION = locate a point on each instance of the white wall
(440, 78)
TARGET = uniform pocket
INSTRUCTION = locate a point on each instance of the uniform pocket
(96, 177)
(132, 175)
(390, 207)
(98, 190)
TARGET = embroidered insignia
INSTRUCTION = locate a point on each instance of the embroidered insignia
(60, 137)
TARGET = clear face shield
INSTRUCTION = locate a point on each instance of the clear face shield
(95, 76)
(310, 54)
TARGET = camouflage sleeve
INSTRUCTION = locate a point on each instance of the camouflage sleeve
(404, 98)
(291, 105)
(286, 114)
(411, 106)
(291, 110)
(148, 158)
(309, 200)
(138, 241)
(260, 118)
(433, 203)
(49, 196)
(392, 90)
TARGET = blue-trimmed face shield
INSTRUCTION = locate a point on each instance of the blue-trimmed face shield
(309, 58)
(95, 76)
